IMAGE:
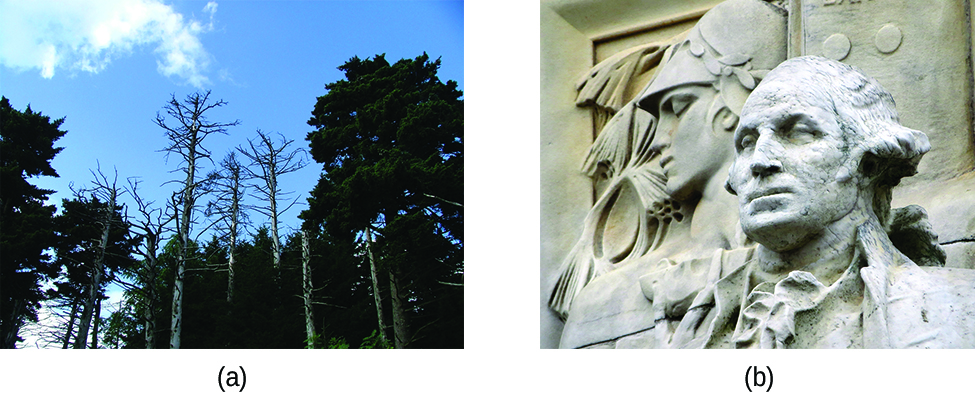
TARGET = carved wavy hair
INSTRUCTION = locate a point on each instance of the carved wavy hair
(866, 113)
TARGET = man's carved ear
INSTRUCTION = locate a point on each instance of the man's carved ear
(862, 163)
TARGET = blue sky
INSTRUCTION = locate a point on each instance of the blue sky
(108, 66)
(269, 60)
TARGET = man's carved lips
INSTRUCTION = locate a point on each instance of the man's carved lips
(767, 199)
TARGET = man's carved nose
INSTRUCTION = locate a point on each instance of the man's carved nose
(762, 165)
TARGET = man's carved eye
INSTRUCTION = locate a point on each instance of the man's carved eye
(747, 141)
(800, 133)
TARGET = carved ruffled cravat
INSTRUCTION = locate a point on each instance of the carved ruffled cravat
(738, 311)
(769, 321)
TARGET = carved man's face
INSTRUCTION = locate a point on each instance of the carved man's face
(788, 171)
(691, 152)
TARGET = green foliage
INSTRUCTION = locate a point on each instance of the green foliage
(390, 141)
(26, 224)
(333, 342)
(375, 341)
(123, 327)
(315, 341)
(79, 228)
(341, 280)
(385, 137)
(139, 300)
(337, 343)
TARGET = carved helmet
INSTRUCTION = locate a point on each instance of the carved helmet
(731, 46)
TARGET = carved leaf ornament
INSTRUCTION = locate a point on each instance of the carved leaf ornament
(735, 76)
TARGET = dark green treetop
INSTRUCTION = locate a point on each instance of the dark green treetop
(390, 137)
(26, 230)
(390, 141)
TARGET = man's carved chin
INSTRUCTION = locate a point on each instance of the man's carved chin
(777, 230)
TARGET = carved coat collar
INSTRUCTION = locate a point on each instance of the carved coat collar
(883, 300)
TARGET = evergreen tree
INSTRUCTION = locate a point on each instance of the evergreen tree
(206, 305)
(389, 138)
(91, 254)
(26, 224)
(264, 313)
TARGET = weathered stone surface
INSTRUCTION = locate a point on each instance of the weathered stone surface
(819, 148)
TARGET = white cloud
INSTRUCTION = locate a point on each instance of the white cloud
(71, 35)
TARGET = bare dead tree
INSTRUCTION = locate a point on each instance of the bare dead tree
(227, 208)
(186, 138)
(269, 161)
(151, 223)
(108, 192)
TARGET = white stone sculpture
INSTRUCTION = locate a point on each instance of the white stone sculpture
(661, 235)
(818, 150)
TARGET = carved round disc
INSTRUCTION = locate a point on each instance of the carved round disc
(888, 38)
(836, 47)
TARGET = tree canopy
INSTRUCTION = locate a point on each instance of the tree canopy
(390, 141)
(26, 223)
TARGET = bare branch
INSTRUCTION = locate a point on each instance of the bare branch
(459, 205)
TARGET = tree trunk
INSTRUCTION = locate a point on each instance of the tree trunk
(234, 215)
(375, 284)
(81, 340)
(401, 326)
(95, 319)
(230, 269)
(150, 317)
(272, 184)
(67, 334)
(307, 288)
(176, 322)
(150, 306)
(150, 314)
(11, 324)
(177, 316)
(94, 290)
